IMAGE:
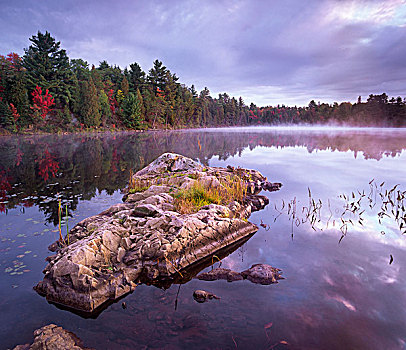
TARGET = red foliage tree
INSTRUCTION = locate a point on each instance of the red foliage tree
(15, 61)
(14, 112)
(42, 103)
(112, 101)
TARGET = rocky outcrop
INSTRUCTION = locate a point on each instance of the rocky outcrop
(258, 273)
(146, 239)
(52, 337)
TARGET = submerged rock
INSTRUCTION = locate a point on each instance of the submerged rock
(220, 273)
(258, 273)
(52, 337)
(262, 274)
(202, 296)
(144, 239)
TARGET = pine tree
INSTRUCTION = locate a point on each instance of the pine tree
(48, 66)
(104, 107)
(124, 86)
(6, 117)
(170, 92)
(154, 107)
(97, 79)
(18, 96)
(80, 68)
(89, 111)
(141, 102)
(131, 111)
(157, 76)
(135, 77)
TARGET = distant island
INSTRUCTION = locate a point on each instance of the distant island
(46, 91)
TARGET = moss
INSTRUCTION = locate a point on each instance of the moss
(137, 189)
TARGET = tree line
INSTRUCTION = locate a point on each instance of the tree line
(45, 90)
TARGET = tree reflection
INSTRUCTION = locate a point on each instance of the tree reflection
(39, 169)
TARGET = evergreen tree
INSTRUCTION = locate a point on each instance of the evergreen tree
(6, 117)
(157, 76)
(154, 107)
(135, 77)
(141, 102)
(131, 111)
(97, 79)
(170, 92)
(80, 68)
(124, 86)
(74, 103)
(89, 111)
(103, 65)
(193, 91)
(48, 67)
(104, 107)
(18, 96)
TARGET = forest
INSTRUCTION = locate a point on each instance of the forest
(46, 91)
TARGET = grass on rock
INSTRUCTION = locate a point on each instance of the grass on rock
(198, 195)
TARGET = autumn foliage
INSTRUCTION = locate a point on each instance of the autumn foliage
(14, 112)
(80, 98)
(42, 103)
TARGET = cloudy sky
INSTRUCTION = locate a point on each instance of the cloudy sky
(269, 52)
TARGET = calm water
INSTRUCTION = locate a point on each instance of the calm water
(335, 296)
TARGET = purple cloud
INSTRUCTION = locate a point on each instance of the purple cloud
(269, 52)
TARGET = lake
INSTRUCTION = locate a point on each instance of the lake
(335, 229)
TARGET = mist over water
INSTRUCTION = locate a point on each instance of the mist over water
(335, 295)
(306, 128)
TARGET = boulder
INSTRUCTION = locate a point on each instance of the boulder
(52, 337)
(262, 274)
(144, 239)
(220, 273)
(258, 273)
(202, 296)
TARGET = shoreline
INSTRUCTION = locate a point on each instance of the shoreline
(292, 127)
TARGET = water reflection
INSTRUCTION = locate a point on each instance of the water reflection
(36, 170)
(335, 296)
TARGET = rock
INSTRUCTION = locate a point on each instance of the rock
(145, 210)
(262, 274)
(144, 240)
(220, 273)
(258, 273)
(170, 162)
(52, 337)
(202, 296)
(120, 254)
(271, 186)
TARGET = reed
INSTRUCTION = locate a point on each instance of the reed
(385, 203)
(67, 222)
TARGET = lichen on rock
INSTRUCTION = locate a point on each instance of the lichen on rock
(146, 239)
